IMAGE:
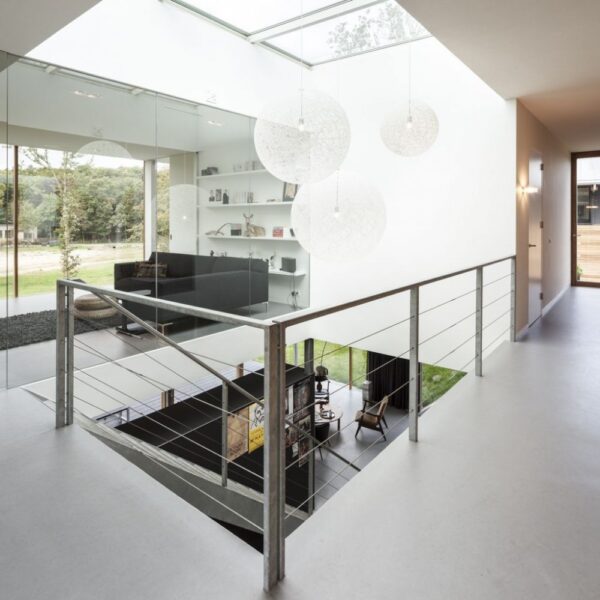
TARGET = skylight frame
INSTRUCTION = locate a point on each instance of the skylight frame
(261, 36)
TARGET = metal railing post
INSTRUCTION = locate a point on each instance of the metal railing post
(70, 407)
(65, 355)
(282, 445)
(413, 369)
(224, 430)
(61, 352)
(309, 356)
(479, 322)
(309, 369)
(273, 538)
(513, 299)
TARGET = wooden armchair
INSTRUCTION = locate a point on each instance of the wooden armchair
(372, 420)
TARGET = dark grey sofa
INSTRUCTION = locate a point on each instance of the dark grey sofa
(216, 282)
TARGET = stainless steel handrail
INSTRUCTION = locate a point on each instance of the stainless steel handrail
(274, 331)
(314, 313)
(184, 309)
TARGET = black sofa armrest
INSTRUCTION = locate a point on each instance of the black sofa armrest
(123, 271)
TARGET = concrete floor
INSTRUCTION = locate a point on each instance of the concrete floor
(78, 522)
(499, 499)
(360, 450)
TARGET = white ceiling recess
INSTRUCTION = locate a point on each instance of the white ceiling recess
(24, 24)
(544, 52)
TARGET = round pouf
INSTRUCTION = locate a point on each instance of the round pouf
(90, 306)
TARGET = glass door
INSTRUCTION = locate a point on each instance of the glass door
(586, 219)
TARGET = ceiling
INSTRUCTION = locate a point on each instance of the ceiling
(77, 109)
(24, 24)
(544, 52)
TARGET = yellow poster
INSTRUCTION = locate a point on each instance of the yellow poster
(256, 429)
(237, 434)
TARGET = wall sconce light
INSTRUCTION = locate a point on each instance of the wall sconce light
(529, 190)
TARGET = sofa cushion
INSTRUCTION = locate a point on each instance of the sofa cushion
(178, 265)
(150, 269)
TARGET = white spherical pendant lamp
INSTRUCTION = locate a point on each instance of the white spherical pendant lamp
(105, 148)
(410, 131)
(339, 219)
(302, 138)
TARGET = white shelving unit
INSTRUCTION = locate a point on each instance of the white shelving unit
(287, 273)
(247, 204)
(264, 186)
(233, 174)
(263, 238)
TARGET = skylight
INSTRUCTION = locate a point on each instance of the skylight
(384, 24)
(314, 31)
(251, 16)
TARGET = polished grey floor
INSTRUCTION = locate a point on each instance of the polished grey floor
(498, 500)
(78, 522)
(331, 473)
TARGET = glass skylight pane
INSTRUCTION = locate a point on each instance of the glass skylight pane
(254, 15)
(366, 29)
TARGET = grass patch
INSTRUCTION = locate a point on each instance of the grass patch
(336, 359)
(45, 281)
(436, 381)
(39, 265)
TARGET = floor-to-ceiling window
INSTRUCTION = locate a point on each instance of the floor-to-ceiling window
(586, 219)
(79, 214)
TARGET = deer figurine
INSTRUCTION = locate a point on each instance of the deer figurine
(252, 230)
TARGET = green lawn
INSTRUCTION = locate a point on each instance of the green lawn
(436, 381)
(39, 265)
(45, 281)
(335, 358)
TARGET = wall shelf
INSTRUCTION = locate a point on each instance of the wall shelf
(251, 204)
(233, 174)
(264, 238)
(286, 273)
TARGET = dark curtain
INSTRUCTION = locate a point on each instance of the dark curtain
(388, 374)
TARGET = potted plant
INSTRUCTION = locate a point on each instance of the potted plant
(579, 272)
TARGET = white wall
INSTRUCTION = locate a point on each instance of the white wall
(449, 208)
(556, 212)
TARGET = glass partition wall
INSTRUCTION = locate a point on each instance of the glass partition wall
(123, 187)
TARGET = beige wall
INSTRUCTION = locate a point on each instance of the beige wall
(533, 136)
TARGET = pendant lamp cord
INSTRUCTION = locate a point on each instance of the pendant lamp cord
(302, 61)
(410, 82)
(337, 176)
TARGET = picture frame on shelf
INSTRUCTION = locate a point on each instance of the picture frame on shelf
(289, 191)
(278, 231)
(218, 195)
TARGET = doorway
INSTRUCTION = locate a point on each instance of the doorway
(534, 203)
(585, 219)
